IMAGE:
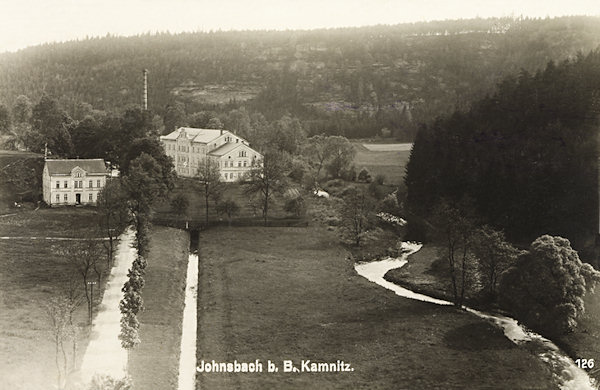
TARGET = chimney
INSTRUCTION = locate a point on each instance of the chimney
(145, 106)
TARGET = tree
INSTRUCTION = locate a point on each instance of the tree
(316, 149)
(58, 311)
(266, 178)
(50, 126)
(214, 123)
(84, 256)
(5, 123)
(153, 148)
(21, 111)
(546, 285)
(455, 229)
(494, 256)
(209, 178)
(357, 215)
(180, 204)
(340, 154)
(112, 213)
(174, 116)
(228, 207)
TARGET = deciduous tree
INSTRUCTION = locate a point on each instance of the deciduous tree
(546, 285)
(266, 178)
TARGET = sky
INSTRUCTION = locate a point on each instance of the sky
(30, 22)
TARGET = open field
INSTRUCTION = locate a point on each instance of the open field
(390, 160)
(292, 293)
(388, 147)
(154, 363)
(32, 273)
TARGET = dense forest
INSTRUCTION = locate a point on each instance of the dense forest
(525, 157)
(349, 81)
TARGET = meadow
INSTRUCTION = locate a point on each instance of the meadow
(382, 159)
(292, 294)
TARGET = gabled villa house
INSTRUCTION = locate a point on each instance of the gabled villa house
(73, 181)
(190, 146)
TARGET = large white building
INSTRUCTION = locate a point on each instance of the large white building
(74, 181)
(189, 147)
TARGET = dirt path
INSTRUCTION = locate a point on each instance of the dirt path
(104, 354)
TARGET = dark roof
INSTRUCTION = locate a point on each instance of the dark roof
(64, 167)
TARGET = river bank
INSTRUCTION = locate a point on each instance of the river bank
(423, 273)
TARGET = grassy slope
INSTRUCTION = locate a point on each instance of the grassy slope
(292, 293)
(154, 363)
(390, 164)
(30, 274)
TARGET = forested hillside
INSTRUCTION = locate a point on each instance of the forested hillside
(524, 159)
(351, 81)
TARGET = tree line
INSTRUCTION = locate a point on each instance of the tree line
(354, 82)
(525, 156)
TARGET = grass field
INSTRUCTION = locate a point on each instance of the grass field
(292, 293)
(154, 363)
(422, 274)
(31, 273)
(382, 161)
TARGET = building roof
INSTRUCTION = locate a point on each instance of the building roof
(225, 148)
(64, 167)
(196, 135)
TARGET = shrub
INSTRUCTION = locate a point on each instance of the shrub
(349, 174)
(376, 190)
(180, 204)
(295, 206)
(380, 179)
(364, 175)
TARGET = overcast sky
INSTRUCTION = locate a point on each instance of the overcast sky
(29, 22)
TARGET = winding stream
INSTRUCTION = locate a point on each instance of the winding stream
(566, 374)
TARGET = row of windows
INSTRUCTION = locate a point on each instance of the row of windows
(79, 184)
(233, 175)
(231, 164)
(66, 198)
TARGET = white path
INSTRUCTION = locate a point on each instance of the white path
(187, 356)
(104, 354)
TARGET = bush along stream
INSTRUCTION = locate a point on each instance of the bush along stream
(566, 373)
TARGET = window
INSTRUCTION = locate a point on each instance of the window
(80, 183)
(57, 198)
(66, 184)
(245, 163)
(58, 184)
(239, 163)
(91, 197)
(66, 197)
(91, 184)
(98, 183)
(75, 184)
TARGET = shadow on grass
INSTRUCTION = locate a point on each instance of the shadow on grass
(477, 336)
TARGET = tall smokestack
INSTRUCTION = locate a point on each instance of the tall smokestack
(145, 89)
